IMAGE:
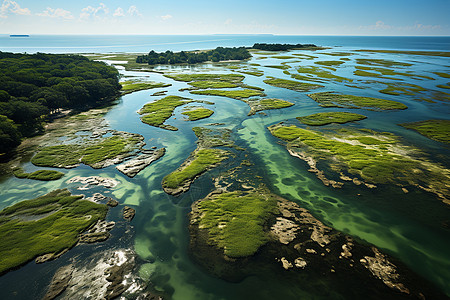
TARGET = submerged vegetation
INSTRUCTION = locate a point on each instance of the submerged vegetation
(332, 99)
(231, 78)
(330, 63)
(157, 112)
(216, 55)
(438, 130)
(320, 73)
(235, 94)
(50, 224)
(235, 220)
(291, 84)
(320, 119)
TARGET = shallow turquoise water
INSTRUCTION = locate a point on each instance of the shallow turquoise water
(406, 226)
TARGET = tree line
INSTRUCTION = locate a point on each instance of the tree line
(216, 55)
(33, 86)
(281, 47)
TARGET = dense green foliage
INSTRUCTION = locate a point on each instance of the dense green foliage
(203, 160)
(31, 86)
(331, 99)
(216, 55)
(156, 113)
(44, 175)
(281, 47)
(198, 113)
(320, 119)
(235, 221)
(438, 130)
(48, 224)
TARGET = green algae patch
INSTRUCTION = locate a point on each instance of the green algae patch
(201, 161)
(329, 63)
(321, 119)
(388, 72)
(234, 221)
(208, 84)
(43, 175)
(319, 73)
(134, 86)
(280, 67)
(235, 94)
(157, 112)
(265, 104)
(444, 86)
(198, 113)
(257, 73)
(283, 57)
(291, 84)
(401, 88)
(366, 157)
(438, 130)
(233, 78)
(332, 99)
(97, 154)
(50, 224)
(382, 62)
(442, 74)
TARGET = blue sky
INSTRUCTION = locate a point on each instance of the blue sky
(297, 17)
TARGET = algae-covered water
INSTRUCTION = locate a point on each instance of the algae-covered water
(409, 226)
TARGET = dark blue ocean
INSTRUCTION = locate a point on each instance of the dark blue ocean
(144, 43)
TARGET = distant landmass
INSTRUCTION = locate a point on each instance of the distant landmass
(19, 35)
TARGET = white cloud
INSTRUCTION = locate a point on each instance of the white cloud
(228, 21)
(166, 17)
(56, 13)
(119, 12)
(133, 11)
(95, 12)
(9, 6)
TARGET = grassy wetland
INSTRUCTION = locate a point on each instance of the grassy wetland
(49, 224)
(290, 134)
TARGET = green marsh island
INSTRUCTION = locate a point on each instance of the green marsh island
(314, 172)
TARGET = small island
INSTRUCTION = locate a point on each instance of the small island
(284, 47)
(193, 57)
